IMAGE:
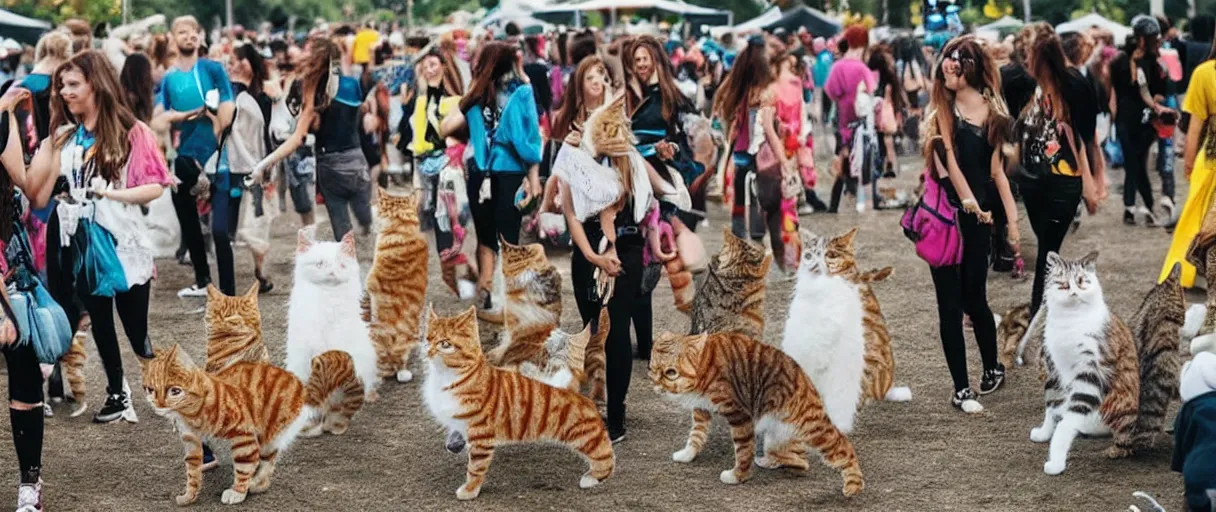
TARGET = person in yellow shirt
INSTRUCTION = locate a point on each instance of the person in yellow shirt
(362, 48)
(1196, 229)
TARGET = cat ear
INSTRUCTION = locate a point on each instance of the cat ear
(214, 293)
(181, 357)
(469, 319)
(846, 240)
(1175, 272)
(430, 313)
(1054, 261)
(1090, 262)
(348, 245)
(305, 239)
(252, 294)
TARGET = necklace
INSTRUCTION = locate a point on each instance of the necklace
(80, 174)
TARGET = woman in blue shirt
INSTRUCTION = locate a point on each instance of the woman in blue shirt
(504, 149)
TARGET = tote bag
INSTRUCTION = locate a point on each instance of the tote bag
(932, 224)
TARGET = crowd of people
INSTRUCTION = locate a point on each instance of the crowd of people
(237, 124)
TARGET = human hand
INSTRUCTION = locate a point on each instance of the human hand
(665, 150)
(12, 98)
(1089, 192)
(98, 186)
(609, 262)
(8, 332)
(574, 138)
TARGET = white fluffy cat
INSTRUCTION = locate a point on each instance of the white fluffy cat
(824, 334)
(324, 312)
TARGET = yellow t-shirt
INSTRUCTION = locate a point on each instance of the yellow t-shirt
(1200, 102)
(361, 52)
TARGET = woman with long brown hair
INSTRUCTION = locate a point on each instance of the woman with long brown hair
(113, 168)
(964, 129)
(136, 80)
(499, 111)
(589, 86)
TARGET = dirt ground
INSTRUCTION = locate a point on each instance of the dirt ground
(917, 456)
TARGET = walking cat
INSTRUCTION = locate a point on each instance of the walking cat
(72, 364)
(396, 285)
(1093, 375)
(490, 406)
(836, 332)
(731, 299)
(258, 407)
(323, 312)
(1155, 327)
(234, 329)
(760, 391)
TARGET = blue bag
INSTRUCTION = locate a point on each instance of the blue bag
(40, 321)
(1114, 152)
(98, 271)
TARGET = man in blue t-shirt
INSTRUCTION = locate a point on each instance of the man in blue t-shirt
(182, 104)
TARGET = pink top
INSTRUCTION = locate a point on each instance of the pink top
(841, 87)
(145, 165)
(789, 111)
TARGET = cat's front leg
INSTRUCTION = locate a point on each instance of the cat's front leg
(246, 453)
(743, 433)
(1061, 442)
(480, 455)
(261, 479)
(194, 467)
(696, 437)
(1053, 396)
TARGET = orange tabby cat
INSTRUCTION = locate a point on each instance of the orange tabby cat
(234, 329)
(759, 390)
(259, 408)
(533, 307)
(396, 285)
(490, 406)
(72, 363)
(575, 359)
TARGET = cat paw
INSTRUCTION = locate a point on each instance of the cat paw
(767, 462)
(405, 376)
(464, 494)
(1116, 452)
(337, 429)
(80, 409)
(587, 482)
(311, 431)
(1053, 467)
(259, 485)
(686, 455)
(372, 396)
(231, 497)
(186, 499)
(1040, 435)
(851, 489)
(731, 477)
(1021, 362)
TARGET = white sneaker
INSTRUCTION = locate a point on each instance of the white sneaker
(192, 291)
(29, 497)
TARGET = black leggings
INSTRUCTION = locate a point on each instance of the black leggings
(225, 214)
(186, 206)
(623, 307)
(1051, 203)
(132, 308)
(764, 215)
(963, 289)
(25, 386)
(1136, 143)
(498, 215)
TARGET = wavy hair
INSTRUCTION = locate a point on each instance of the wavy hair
(673, 99)
(979, 71)
(573, 103)
(114, 119)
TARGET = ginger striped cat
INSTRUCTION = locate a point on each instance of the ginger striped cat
(1093, 375)
(234, 329)
(575, 360)
(490, 406)
(396, 285)
(836, 331)
(258, 407)
(1155, 328)
(72, 364)
(760, 391)
(533, 307)
(731, 299)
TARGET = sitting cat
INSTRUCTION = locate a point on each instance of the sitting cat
(760, 391)
(1155, 328)
(836, 332)
(731, 298)
(490, 406)
(259, 408)
(1093, 383)
(323, 311)
(396, 285)
(234, 329)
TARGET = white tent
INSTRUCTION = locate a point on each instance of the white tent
(671, 6)
(9, 19)
(753, 25)
(1083, 23)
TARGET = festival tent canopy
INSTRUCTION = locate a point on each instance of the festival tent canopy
(753, 25)
(1084, 23)
(1005, 23)
(21, 28)
(817, 22)
(669, 6)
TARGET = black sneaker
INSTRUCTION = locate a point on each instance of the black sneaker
(616, 434)
(209, 462)
(992, 379)
(967, 401)
(1129, 218)
(116, 404)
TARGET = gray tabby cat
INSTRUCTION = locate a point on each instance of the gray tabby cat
(1155, 327)
(731, 298)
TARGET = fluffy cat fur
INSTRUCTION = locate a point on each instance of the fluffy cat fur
(575, 361)
(323, 313)
(234, 329)
(1155, 327)
(836, 332)
(72, 364)
(490, 406)
(1009, 332)
(731, 299)
(760, 391)
(259, 408)
(533, 307)
(1093, 375)
(396, 285)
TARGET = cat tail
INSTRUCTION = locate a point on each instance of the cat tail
(73, 371)
(595, 358)
(332, 372)
(1159, 365)
(899, 394)
(875, 275)
(1034, 329)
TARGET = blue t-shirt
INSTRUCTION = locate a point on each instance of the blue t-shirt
(182, 91)
(822, 68)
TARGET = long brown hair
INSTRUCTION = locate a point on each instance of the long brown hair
(314, 74)
(1049, 69)
(980, 72)
(136, 80)
(750, 75)
(449, 75)
(573, 103)
(670, 92)
(495, 60)
(114, 119)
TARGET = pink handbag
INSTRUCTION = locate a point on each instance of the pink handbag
(932, 224)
